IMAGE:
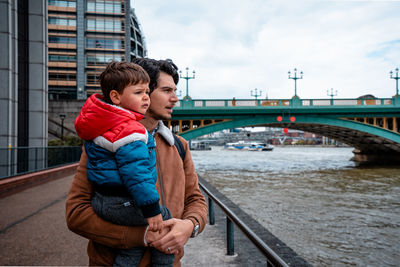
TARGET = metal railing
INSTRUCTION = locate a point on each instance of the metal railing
(21, 160)
(272, 258)
(339, 102)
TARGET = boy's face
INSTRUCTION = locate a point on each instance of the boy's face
(134, 97)
(163, 98)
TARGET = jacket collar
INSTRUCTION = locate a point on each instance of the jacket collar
(166, 133)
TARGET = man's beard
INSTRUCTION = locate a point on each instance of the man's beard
(156, 116)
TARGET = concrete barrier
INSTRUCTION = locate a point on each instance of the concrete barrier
(15, 184)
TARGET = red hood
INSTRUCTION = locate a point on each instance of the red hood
(97, 117)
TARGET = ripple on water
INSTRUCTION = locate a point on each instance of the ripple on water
(315, 200)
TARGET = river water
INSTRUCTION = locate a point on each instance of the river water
(314, 199)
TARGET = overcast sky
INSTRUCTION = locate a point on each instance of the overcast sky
(236, 46)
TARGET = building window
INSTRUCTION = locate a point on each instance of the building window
(58, 92)
(113, 25)
(104, 6)
(140, 51)
(65, 58)
(62, 21)
(92, 78)
(138, 37)
(62, 76)
(102, 59)
(63, 3)
(104, 43)
(62, 40)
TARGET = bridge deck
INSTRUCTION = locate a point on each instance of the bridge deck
(34, 232)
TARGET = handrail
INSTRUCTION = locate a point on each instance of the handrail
(294, 102)
(22, 160)
(264, 248)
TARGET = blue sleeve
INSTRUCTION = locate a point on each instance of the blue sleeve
(137, 167)
(101, 166)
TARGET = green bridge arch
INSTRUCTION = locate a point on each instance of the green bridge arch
(367, 139)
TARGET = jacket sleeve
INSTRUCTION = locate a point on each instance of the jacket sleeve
(195, 203)
(82, 220)
(137, 168)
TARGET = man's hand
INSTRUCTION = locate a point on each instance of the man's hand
(154, 236)
(176, 238)
(155, 223)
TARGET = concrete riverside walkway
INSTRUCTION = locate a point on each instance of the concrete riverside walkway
(33, 231)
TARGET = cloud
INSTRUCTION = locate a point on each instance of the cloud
(237, 46)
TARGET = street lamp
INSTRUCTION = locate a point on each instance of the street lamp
(256, 94)
(331, 94)
(62, 117)
(295, 78)
(187, 78)
(397, 79)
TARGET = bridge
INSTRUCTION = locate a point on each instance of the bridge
(370, 125)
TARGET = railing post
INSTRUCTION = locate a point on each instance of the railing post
(211, 211)
(230, 245)
(9, 160)
(12, 161)
(36, 158)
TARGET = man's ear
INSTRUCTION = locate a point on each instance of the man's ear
(115, 97)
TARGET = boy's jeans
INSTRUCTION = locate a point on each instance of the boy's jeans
(123, 211)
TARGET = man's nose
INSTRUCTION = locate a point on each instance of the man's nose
(174, 98)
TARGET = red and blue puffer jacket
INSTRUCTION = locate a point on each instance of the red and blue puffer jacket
(120, 151)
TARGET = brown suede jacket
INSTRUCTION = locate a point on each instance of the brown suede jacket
(182, 196)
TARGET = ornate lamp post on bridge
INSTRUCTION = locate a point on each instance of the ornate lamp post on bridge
(256, 93)
(397, 79)
(331, 94)
(295, 78)
(187, 78)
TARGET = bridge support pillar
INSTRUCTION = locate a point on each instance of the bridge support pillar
(376, 158)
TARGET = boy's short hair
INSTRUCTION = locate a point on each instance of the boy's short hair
(153, 67)
(118, 75)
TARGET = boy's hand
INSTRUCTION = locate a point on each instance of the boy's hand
(155, 223)
(176, 238)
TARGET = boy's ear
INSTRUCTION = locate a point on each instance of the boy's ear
(115, 97)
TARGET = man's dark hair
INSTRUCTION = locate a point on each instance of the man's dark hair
(154, 67)
(118, 75)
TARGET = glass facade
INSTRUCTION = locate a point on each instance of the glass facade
(63, 3)
(102, 59)
(86, 35)
(92, 78)
(62, 21)
(93, 42)
(104, 6)
(62, 76)
(103, 24)
(65, 58)
(62, 40)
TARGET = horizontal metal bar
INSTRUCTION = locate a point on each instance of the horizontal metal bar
(22, 160)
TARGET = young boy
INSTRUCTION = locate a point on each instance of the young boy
(121, 156)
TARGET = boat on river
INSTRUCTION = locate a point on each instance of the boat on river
(199, 145)
(249, 146)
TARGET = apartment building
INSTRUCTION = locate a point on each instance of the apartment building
(84, 35)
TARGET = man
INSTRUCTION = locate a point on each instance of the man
(177, 185)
